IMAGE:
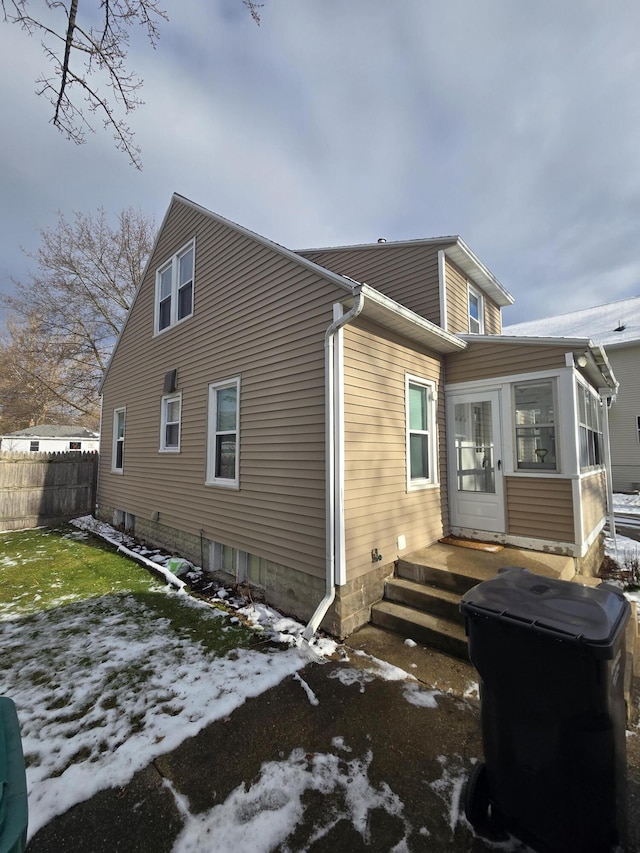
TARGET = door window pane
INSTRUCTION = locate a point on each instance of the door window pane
(475, 469)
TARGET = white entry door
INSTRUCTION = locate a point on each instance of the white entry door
(476, 481)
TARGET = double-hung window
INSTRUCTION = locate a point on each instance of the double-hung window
(174, 289)
(223, 434)
(476, 311)
(34, 446)
(535, 425)
(420, 398)
(117, 450)
(591, 442)
(170, 423)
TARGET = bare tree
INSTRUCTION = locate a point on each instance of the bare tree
(30, 370)
(76, 301)
(84, 55)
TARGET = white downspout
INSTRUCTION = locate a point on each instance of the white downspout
(607, 397)
(330, 464)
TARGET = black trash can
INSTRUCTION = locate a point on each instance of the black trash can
(550, 655)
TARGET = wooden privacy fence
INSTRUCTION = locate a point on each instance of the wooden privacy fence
(41, 489)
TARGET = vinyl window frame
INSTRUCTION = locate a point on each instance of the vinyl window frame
(476, 324)
(553, 427)
(215, 435)
(167, 400)
(427, 431)
(172, 267)
(118, 441)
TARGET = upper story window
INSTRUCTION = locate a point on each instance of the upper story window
(476, 311)
(535, 425)
(223, 467)
(34, 446)
(590, 420)
(174, 289)
(170, 429)
(117, 449)
(75, 445)
(420, 425)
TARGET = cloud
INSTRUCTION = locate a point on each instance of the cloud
(515, 125)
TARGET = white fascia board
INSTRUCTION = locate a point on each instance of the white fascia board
(392, 315)
(419, 241)
(472, 266)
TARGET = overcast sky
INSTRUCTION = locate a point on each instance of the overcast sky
(515, 124)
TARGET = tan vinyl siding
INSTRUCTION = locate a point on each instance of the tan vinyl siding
(407, 274)
(594, 502)
(486, 360)
(456, 290)
(540, 508)
(378, 507)
(623, 418)
(257, 316)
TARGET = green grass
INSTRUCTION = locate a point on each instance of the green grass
(49, 569)
(42, 569)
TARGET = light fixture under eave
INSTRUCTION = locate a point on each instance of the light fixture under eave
(581, 361)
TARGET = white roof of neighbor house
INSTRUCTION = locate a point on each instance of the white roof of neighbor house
(53, 431)
(610, 325)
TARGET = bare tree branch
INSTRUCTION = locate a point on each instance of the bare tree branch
(102, 83)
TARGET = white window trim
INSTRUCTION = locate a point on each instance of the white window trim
(173, 263)
(211, 479)
(114, 442)
(471, 290)
(166, 399)
(557, 423)
(432, 400)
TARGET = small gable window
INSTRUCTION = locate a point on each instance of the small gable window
(174, 289)
(170, 431)
(476, 311)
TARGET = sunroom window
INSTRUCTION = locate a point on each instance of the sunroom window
(174, 289)
(535, 425)
(589, 407)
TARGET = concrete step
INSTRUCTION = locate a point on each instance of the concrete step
(438, 602)
(444, 578)
(429, 630)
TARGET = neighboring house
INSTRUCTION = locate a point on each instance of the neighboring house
(616, 326)
(51, 438)
(270, 415)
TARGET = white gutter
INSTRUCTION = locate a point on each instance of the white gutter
(333, 486)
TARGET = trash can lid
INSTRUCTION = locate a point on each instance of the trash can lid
(569, 610)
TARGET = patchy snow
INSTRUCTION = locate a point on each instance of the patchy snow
(259, 818)
(411, 643)
(95, 708)
(626, 504)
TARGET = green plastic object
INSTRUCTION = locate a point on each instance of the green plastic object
(14, 813)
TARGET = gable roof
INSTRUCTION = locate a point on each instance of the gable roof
(454, 248)
(613, 324)
(53, 431)
(377, 307)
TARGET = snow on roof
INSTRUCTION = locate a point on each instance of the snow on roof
(610, 324)
(54, 431)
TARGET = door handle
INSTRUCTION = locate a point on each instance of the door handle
(499, 464)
